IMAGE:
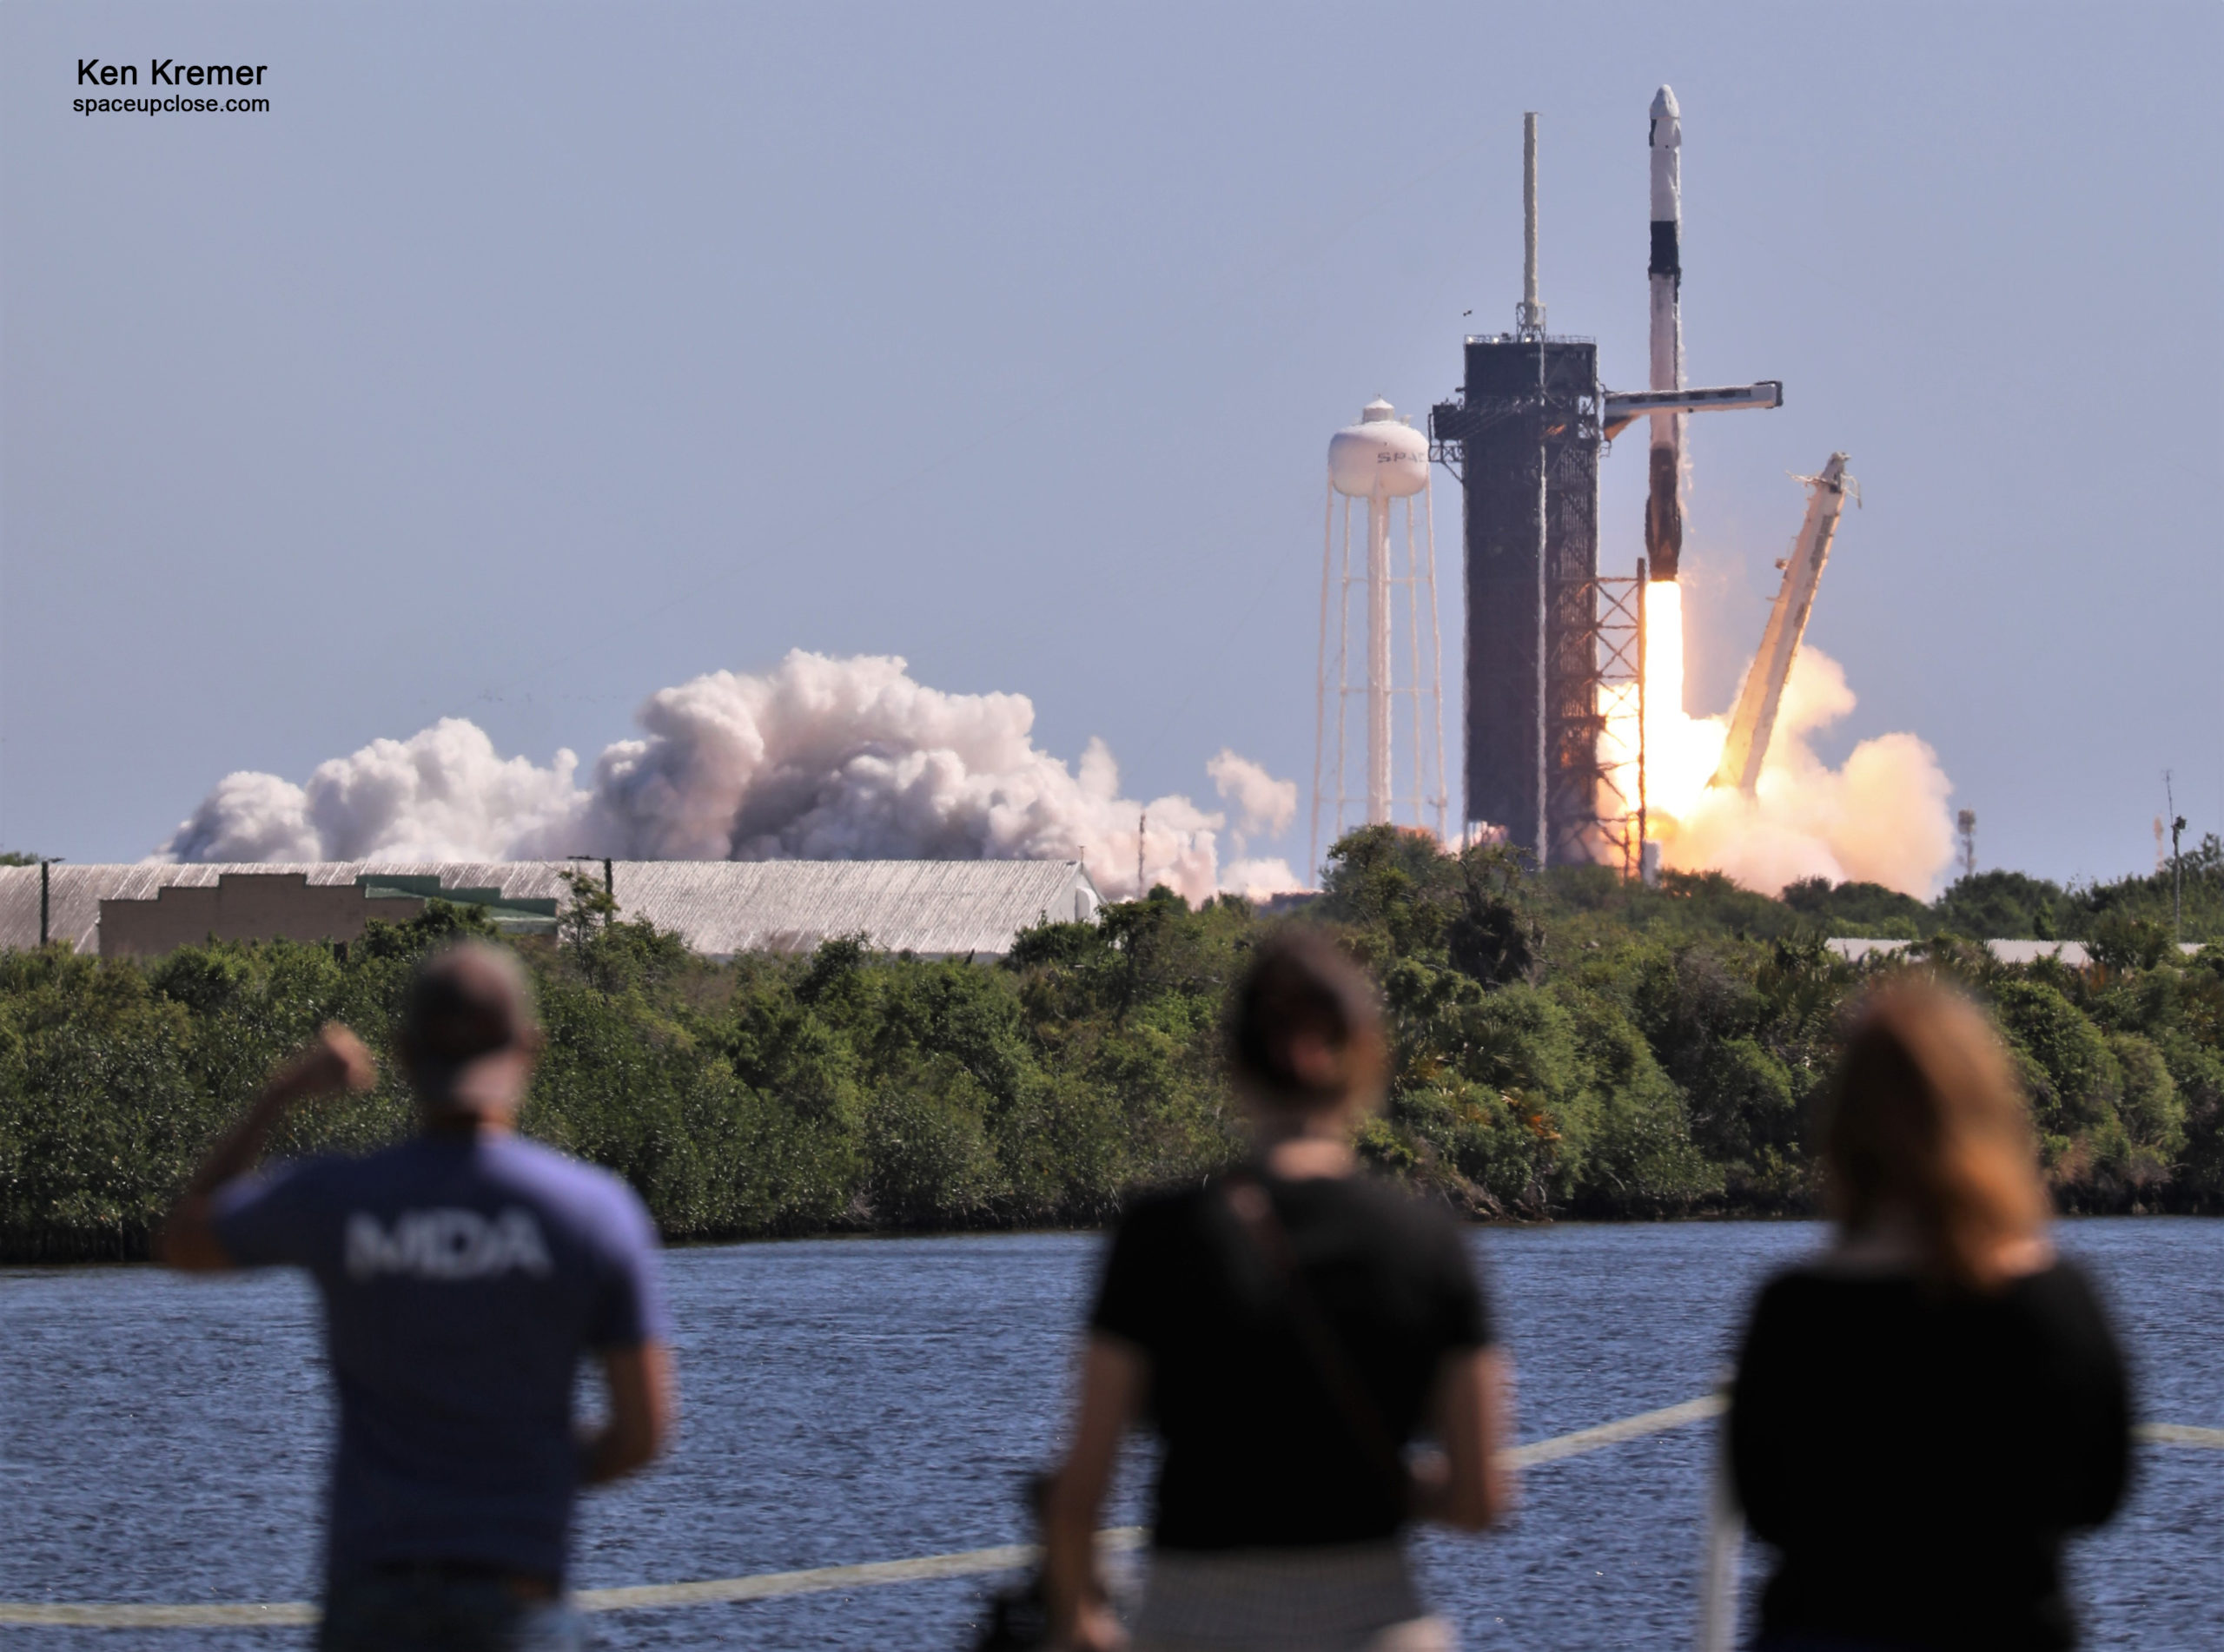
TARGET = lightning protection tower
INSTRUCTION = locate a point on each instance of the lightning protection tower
(1524, 438)
(1382, 462)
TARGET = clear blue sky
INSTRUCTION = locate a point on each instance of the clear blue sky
(522, 360)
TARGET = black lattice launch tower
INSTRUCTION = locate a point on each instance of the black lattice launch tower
(1523, 439)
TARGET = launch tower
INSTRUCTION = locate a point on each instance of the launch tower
(1550, 641)
(1523, 438)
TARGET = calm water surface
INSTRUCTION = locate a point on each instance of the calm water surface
(163, 1439)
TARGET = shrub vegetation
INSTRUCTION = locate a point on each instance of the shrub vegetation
(1564, 1045)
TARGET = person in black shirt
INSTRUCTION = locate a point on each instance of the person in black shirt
(1924, 1413)
(1289, 1328)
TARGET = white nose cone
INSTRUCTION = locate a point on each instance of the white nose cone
(1666, 137)
(1378, 457)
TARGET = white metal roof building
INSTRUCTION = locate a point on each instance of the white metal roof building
(2072, 954)
(935, 909)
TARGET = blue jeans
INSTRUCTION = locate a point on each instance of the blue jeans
(423, 1612)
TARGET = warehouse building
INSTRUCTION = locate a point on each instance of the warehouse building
(932, 909)
(2073, 955)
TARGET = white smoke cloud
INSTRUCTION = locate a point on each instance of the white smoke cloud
(443, 794)
(818, 758)
(1256, 880)
(1262, 804)
(248, 816)
(1881, 818)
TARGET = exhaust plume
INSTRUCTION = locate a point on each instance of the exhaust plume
(1262, 804)
(1879, 818)
(818, 759)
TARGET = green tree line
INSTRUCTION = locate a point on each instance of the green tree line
(1565, 1045)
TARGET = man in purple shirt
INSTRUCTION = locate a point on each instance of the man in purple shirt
(464, 1273)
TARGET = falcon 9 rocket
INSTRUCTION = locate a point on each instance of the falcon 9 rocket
(1664, 510)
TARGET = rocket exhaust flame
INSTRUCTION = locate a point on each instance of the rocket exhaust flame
(1681, 750)
(1879, 817)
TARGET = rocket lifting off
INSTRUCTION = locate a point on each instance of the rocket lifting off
(1524, 434)
(1666, 400)
(1664, 510)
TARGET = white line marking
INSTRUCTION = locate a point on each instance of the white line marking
(818, 1580)
(1630, 1428)
(2182, 1434)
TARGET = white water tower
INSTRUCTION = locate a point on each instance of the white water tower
(1383, 461)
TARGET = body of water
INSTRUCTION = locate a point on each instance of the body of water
(163, 1439)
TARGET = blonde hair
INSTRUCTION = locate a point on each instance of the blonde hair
(1927, 1120)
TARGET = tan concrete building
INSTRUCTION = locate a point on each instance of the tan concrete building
(285, 906)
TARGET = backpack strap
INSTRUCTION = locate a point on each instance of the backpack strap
(1254, 1209)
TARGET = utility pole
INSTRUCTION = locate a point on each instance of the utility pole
(2177, 867)
(1965, 827)
(609, 881)
(1143, 833)
(45, 861)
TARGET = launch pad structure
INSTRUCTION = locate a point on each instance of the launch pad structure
(1548, 639)
(1550, 643)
